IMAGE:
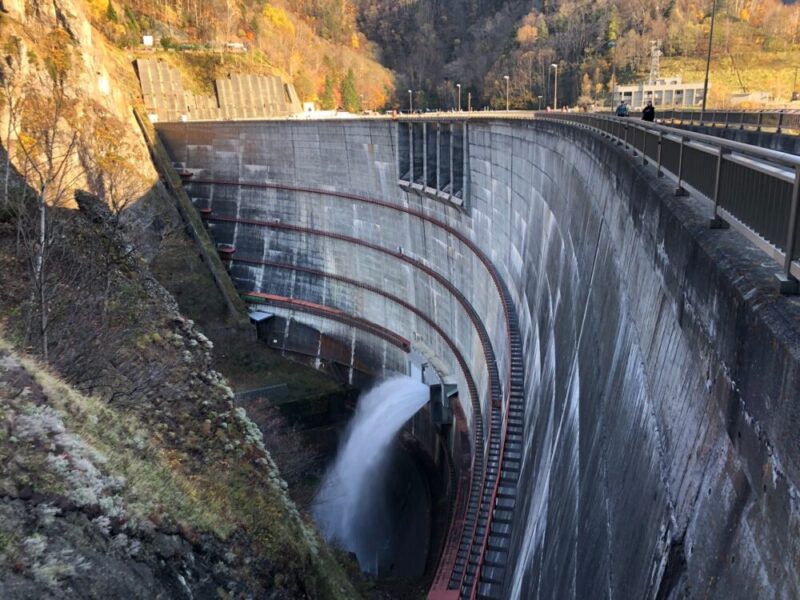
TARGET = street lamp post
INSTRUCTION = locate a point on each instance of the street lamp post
(458, 85)
(708, 60)
(538, 103)
(613, 83)
(469, 101)
(507, 79)
(410, 102)
(555, 87)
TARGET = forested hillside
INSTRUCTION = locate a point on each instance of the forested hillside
(314, 43)
(434, 44)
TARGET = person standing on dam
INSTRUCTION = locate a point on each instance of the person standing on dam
(649, 112)
(622, 109)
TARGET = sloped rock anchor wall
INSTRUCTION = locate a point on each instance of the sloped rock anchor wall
(661, 368)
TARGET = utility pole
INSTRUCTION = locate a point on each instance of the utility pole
(708, 60)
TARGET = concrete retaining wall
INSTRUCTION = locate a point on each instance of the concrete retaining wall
(661, 454)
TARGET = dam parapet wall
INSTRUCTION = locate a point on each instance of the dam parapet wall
(660, 451)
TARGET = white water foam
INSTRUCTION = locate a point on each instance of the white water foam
(349, 503)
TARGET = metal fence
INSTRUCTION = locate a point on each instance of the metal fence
(780, 121)
(753, 189)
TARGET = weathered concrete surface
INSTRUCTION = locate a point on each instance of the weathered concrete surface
(661, 454)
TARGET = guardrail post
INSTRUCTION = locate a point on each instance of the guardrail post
(780, 122)
(644, 145)
(787, 283)
(741, 121)
(659, 173)
(680, 191)
(760, 118)
(716, 221)
(727, 114)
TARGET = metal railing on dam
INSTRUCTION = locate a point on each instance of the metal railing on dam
(754, 189)
(780, 121)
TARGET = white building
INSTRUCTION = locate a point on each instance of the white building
(663, 92)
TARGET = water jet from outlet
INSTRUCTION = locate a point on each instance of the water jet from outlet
(350, 505)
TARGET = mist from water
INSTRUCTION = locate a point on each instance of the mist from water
(350, 505)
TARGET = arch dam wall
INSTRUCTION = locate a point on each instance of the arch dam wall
(659, 452)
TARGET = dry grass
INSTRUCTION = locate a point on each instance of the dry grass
(772, 72)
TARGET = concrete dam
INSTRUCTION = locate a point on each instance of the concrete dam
(625, 381)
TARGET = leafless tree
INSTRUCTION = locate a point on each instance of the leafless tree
(45, 135)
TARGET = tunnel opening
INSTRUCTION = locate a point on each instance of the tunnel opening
(418, 158)
(445, 162)
(458, 149)
(404, 152)
(431, 154)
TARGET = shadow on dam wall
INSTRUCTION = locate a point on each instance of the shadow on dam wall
(661, 393)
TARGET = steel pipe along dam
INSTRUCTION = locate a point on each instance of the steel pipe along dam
(627, 378)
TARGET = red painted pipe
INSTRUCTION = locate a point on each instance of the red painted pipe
(334, 314)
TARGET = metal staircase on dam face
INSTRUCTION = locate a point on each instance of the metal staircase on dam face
(482, 560)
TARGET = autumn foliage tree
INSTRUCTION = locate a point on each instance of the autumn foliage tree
(11, 83)
(107, 160)
(45, 143)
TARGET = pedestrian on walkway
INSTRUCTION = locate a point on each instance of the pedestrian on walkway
(649, 112)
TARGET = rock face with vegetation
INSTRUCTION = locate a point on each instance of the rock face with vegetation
(127, 470)
(147, 482)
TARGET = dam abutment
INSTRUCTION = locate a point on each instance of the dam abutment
(658, 444)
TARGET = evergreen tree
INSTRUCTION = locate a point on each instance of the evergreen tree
(349, 93)
(111, 13)
(328, 100)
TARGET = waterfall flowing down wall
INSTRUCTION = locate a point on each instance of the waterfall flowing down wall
(349, 507)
